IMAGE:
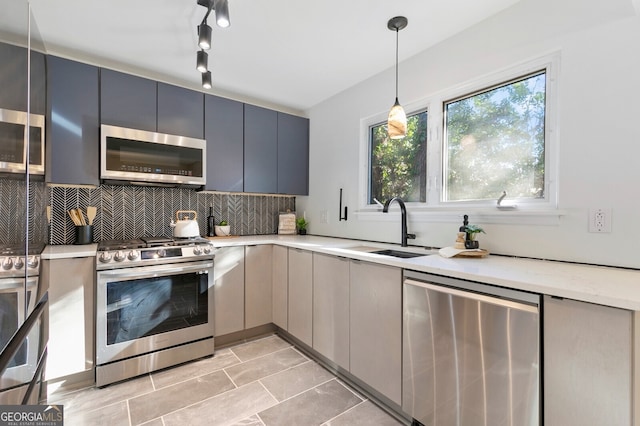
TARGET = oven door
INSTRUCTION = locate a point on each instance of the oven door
(13, 312)
(144, 309)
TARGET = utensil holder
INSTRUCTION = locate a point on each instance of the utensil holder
(84, 234)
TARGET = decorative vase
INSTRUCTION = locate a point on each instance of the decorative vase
(223, 231)
(302, 232)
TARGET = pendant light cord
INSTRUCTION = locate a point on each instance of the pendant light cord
(397, 64)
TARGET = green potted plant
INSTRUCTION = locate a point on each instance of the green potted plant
(223, 229)
(301, 224)
(471, 231)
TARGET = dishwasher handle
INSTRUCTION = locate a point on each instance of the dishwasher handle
(474, 296)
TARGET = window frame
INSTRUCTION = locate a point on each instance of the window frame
(434, 106)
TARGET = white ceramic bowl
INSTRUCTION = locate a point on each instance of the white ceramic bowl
(222, 231)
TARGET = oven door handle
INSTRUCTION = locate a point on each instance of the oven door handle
(17, 282)
(158, 270)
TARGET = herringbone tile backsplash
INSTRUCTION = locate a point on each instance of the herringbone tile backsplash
(126, 212)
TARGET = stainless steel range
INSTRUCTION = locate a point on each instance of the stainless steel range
(17, 300)
(154, 305)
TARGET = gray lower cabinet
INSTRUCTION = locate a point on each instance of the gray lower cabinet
(376, 327)
(301, 295)
(260, 150)
(257, 284)
(279, 286)
(73, 132)
(71, 348)
(331, 308)
(228, 290)
(588, 365)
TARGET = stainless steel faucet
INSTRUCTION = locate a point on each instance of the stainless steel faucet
(403, 211)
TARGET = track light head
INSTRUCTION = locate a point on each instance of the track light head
(206, 80)
(202, 61)
(204, 35)
(222, 13)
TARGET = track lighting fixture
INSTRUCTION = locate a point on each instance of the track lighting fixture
(202, 61)
(206, 80)
(221, 9)
(397, 122)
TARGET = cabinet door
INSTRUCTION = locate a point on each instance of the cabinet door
(301, 295)
(376, 327)
(587, 364)
(228, 290)
(293, 154)
(258, 286)
(224, 132)
(331, 308)
(71, 285)
(260, 150)
(128, 101)
(73, 136)
(180, 111)
(13, 77)
(280, 283)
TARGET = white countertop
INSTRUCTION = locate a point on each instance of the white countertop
(609, 286)
(596, 284)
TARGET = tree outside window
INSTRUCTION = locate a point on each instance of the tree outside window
(495, 141)
(398, 166)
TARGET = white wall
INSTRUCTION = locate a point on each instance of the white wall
(598, 129)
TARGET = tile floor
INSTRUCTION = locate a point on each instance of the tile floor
(264, 382)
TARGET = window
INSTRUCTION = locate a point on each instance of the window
(487, 136)
(495, 142)
(398, 166)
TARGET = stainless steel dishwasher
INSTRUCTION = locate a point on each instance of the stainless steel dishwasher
(470, 353)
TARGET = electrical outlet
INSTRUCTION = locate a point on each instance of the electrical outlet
(324, 216)
(600, 220)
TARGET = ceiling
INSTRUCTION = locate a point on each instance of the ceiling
(288, 53)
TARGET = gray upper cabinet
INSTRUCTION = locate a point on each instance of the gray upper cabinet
(128, 101)
(14, 77)
(224, 132)
(180, 111)
(293, 154)
(260, 150)
(73, 124)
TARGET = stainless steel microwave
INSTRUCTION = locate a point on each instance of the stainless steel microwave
(13, 142)
(148, 158)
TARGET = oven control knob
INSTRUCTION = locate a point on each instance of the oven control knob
(119, 256)
(33, 262)
(105, 257)
(197, 251)
(7, 263)
(207, 250)
(133, 255)
(19, 263)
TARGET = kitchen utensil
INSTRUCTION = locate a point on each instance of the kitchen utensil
(80, 214)
(183, 227)
(74, 217)
(91, 214)
(49, 215)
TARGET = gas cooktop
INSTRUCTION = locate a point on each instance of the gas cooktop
(145, 242)
(152, 250)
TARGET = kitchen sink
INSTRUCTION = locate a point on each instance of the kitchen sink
(398, 253)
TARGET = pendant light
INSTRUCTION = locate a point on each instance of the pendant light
(206, 80)
(222, 13)
(397, 122)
